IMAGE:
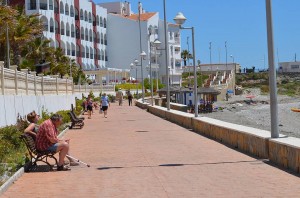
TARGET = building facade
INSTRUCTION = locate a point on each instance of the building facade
(131, 33)
(109, 35)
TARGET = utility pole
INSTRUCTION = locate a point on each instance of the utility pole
(226, 53)
(210, 56)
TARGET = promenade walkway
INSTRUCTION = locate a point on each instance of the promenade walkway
(135, 154)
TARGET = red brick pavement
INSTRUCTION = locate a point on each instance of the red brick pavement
(133, 153)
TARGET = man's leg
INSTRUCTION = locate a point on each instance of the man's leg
(63, 149)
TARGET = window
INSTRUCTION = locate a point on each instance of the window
(66, 9)
(61, 8)
(294, 66)
(81, 14)
(71, 11)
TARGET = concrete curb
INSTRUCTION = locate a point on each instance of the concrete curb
(21, 171)
(11, 180)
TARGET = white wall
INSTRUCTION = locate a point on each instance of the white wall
(12, 105)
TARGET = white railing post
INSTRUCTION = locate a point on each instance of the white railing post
(16, 81)
(34, 75)
(72, 85)
(26, 79)
(56, 85)
(2, 80)
(42, 83)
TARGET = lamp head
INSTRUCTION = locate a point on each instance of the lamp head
(136, 61)
(143, 55)
(156, 43)
(131, 66)
(179, 18)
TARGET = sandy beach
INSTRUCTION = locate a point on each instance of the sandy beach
(256, 113)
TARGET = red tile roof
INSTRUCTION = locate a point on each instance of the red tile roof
(144, 16)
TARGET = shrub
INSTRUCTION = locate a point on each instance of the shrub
(64, 114)
(264, 89)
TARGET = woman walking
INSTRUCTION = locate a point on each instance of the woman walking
(104, 104)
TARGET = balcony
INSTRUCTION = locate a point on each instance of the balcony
(177, 40)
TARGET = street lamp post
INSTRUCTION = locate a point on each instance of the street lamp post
(180, 19)
(166, 56)
(156, 44)
(272, 72)
(132, 66)
(151, 30)
(142, 54)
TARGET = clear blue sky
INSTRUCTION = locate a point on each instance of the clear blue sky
(242, 23)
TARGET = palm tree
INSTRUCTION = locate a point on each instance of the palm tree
(7, 18)
(184, 56)
(26, 30)
(35, 52)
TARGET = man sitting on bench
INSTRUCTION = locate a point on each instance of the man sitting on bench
(47, 140)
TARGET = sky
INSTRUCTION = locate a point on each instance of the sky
(239, 23)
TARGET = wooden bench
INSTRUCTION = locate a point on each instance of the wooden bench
(75, 121)
(80, 118)
(35, 155)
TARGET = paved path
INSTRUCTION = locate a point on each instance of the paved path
(136, 154)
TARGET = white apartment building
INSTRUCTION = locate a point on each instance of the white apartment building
(78, 27)
(124, 31)
(106, 37)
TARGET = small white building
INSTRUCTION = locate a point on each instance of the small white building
(289, 67)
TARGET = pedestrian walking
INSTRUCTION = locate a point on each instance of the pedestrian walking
(89, 102)
(120, 97)
(129, 98)
(104, 104)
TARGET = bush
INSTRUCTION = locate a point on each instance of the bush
(65, 115)
(111, 98)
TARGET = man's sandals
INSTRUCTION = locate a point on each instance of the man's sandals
(63, 168)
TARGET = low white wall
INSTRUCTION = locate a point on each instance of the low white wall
(12, 105)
